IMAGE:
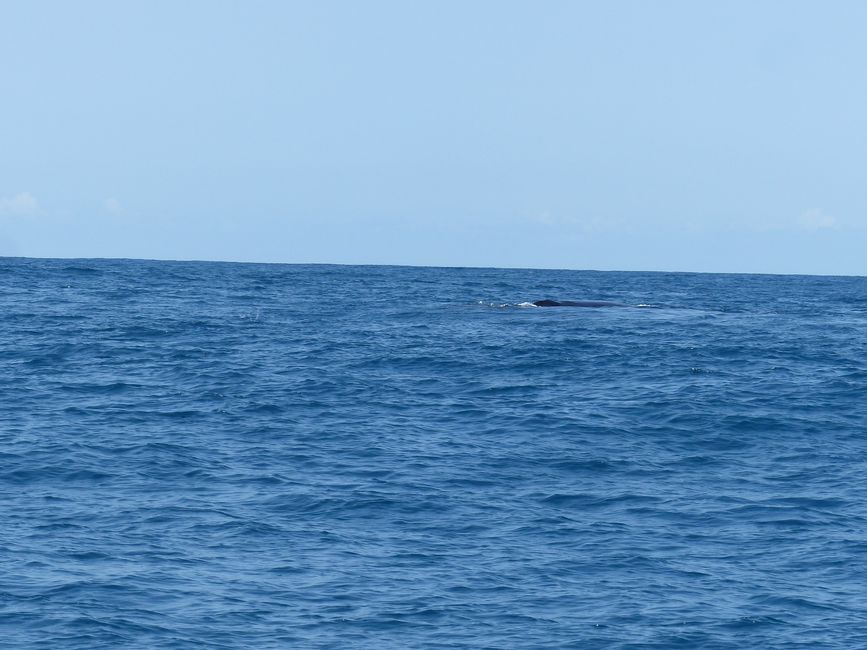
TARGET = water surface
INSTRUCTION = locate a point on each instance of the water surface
(211, 455)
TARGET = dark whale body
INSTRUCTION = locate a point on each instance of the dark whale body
(577, 303)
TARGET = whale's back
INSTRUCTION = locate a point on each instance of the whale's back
(577, 303)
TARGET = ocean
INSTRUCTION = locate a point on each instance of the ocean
(220, 455)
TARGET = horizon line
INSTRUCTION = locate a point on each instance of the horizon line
(429, 266)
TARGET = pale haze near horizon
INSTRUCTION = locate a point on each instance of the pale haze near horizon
(679, 136)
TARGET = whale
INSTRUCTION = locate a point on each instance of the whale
(577, 303)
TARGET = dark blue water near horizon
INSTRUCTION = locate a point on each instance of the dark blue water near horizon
(216, 455)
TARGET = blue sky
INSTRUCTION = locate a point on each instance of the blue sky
(667, 135)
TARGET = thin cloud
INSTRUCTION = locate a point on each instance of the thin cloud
(815, 219)
(543, 217)
(21, 204)
(112, 206)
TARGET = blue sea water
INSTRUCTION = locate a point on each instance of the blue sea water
(214, 455)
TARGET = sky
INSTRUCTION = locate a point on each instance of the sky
(618, 135)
